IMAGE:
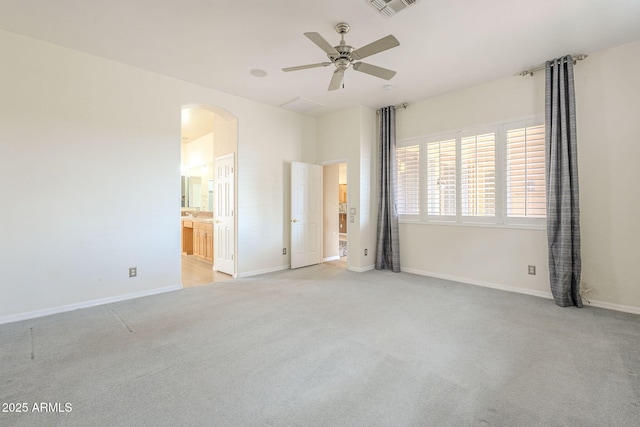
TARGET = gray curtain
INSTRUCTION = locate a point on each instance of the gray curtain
(563, 211)
(388, 242)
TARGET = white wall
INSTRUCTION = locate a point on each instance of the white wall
(608, 104)
(264, 181)
(608, 112)
(342, 177)
(368, 210)
(90, 178)
(489, 256)
(349, 134)
(225, 133)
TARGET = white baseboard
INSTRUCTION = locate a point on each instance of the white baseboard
(467, 281)
(85, 304)
(266, 270)
(612, 306)
(331, 258)
(361, 269)
(547, 295)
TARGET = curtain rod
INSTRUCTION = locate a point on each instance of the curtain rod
(403, 105)
(530, 71)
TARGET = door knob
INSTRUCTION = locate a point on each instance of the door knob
(294, 220)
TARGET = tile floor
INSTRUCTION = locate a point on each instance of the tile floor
(196, 272)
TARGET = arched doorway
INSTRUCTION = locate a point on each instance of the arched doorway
(209, 140)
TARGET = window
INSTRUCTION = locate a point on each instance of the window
(478, 175)
(495, 174)
(526, 193)
(408, 179)
(441, 177)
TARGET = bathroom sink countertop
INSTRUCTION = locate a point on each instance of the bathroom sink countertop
(196, 219)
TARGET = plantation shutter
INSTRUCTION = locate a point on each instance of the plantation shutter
(526, 194)
(478, 175)
(408, 179)
(441, 178)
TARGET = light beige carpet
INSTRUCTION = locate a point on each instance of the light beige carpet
(322, 346)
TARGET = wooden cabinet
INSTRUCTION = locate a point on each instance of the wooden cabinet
(343, 223)
(197, 239)
(203, 241)
(187, 237)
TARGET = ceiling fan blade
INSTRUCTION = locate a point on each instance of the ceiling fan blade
(376, 47)
(374, 70)
(336, 80)
(322, 43)
(304, 67)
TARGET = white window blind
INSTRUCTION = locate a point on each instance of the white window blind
(526, 193)
(491, 174)
(478, 175)
(408, 179)
(441, 177)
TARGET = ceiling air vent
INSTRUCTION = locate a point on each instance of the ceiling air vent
(389, 8)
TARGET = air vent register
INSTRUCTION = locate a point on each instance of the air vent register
(389, 8)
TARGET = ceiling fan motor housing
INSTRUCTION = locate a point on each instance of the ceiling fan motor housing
(343, 61)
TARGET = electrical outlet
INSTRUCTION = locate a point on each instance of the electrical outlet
(532, 270)
(133, 271)
(284, 251)
(365, 252)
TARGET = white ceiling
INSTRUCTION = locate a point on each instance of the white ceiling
(445, 45)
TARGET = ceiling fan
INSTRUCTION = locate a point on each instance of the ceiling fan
(343, 56)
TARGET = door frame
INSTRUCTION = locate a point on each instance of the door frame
(336, 162)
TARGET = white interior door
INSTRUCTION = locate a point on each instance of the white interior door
(224, 223)
(306, 214)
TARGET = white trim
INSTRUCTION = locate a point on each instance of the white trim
(540, 227)
(612, 306)
(331, 258)
(361, 269)
(264, 271)
(85, 304)
(541, 294)
(467, 281)
(334, 162)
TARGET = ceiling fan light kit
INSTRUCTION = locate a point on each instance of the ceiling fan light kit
(344, 56)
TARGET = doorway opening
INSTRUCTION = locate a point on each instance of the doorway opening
(335, 213)
(207, 133)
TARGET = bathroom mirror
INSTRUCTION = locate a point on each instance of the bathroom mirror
(193, 196)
